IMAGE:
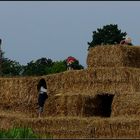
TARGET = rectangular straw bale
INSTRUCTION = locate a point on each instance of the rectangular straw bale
(114, 56)
(74, 105)
(64, 105)
(85, 80)
(22, 92)
(59, 127)
(18, 94)
(115, 128)
(126, 104)
(104, 56)
(93, 127)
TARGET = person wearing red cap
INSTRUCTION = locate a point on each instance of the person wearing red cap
(70, 60)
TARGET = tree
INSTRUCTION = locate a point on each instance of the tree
(109, 34)
(10, 67)
(43, 66)
(38, 67)
(58, 66)
(44, 61)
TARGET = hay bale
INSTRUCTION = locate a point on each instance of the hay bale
(126, 104)
(18, 94)
(95, 79)
(64, 105)
(77, 127)
(79, 105)
(114, 56)
(21, 93)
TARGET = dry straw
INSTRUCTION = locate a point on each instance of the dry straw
(114, 55)
(77, 127)
(68, 88)
(113, 70)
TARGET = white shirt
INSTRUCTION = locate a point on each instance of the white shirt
(42, 90)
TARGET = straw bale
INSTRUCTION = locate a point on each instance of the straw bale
(95, 79)
(116, 128)
(76, 98)
(114, 56)
(64, 105)
(77, 127)
(126, 104)
(78, 105)
(18, 94)
(21, 93)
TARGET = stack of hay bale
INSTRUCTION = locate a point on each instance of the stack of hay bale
(108, 87)
(113, 70)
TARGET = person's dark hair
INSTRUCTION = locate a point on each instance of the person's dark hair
(42, 83)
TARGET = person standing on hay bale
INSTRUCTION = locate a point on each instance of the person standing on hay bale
(70, 60)
(42, 89)
(126, 41)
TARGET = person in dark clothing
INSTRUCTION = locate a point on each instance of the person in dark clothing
(42, 90)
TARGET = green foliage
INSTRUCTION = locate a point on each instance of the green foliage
(38, 67)
(109, 34)
(44, 61)
(18, 133)
(33, 69)
(24, 132)
(58, 66)
(76, 65)
(47, 66)
(10, 67)
(42, 66)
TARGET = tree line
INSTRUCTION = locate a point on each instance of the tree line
(39, 67)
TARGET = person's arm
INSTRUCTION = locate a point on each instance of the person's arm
(42, 89)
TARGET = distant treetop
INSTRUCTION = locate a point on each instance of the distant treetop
(109, 34)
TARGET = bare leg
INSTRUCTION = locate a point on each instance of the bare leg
(40, 111)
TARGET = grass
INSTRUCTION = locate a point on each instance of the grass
(21, 133)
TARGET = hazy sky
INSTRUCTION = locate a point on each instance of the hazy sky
(57, 29)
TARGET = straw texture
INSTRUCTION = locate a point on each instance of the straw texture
(114, 56)
(76, 106)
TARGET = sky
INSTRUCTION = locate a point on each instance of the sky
(57, 29)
